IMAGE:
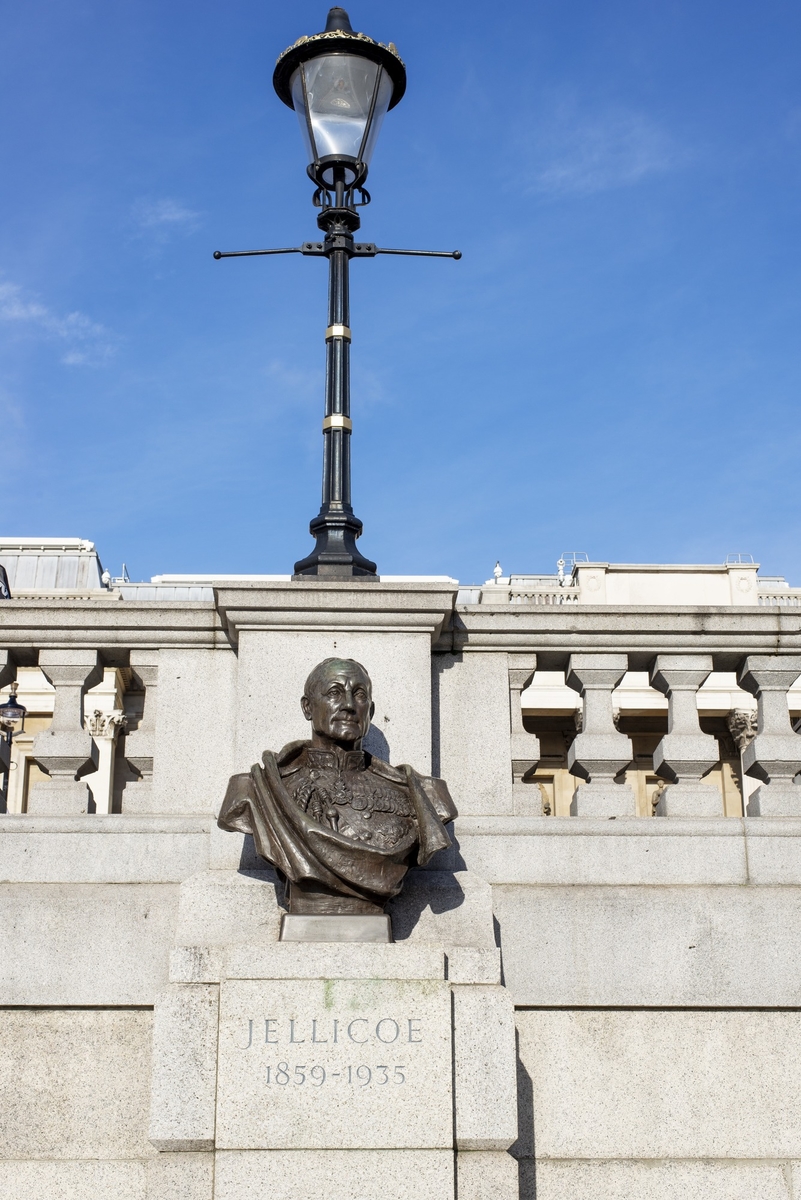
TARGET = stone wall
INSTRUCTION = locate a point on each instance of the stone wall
(651, 960)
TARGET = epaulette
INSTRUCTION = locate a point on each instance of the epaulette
(385, 771)
(288, 759)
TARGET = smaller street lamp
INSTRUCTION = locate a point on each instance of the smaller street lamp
(341, 84)
(12, 714)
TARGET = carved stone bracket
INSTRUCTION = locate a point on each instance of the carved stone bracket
(742, 725)
(105, 724)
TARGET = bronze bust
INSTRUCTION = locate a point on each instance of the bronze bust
(341, 826)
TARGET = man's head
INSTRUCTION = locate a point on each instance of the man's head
(338, 700)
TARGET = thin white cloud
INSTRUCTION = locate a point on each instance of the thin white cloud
(580, 154)
(10, 411)
(85, 342)
(160, 219)
(298, 385)
(305, 386)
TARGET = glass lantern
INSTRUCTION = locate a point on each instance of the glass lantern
(12, 713)
(341, 84)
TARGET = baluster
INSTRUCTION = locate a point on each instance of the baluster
(524, 746)
(140, 742)
(774, 756)
(685, 754)
(104, 728)
(599, 752)
(66, 747)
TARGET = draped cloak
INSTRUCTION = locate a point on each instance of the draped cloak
(305, 849)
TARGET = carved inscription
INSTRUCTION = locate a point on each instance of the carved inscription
(360, 1030)
(337, 1063)
(359, 1076)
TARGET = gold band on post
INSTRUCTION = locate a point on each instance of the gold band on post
(337, 331)
(337, 421)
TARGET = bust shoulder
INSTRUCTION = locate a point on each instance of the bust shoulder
(377, 766)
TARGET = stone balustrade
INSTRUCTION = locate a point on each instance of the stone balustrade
(659, 938)
(227, 671)
(686, 760)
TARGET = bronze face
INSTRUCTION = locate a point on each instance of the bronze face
(339, 704)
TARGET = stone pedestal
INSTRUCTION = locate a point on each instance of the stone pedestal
(334, 1064)
(304, 927)
(603, 800)
(338, 1069)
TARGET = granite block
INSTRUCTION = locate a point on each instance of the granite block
(666, 1085)
(334, 1174)
(334, 1064)
(74, 1083)
(649, 1180)
(485, 1075)
(184, 1078)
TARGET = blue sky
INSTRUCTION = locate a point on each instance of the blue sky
(613, 367)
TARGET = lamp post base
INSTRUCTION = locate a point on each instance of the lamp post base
(335, 556)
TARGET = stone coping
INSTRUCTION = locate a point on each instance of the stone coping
(632, 851)
(535, 851)
(468, 826)
(490, 826)
(459, 965)
(105, 823)
(307, 960)
(474, 826)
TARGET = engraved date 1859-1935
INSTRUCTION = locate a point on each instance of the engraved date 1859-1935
(361, 1076)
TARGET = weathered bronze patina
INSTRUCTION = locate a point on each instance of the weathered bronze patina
(342, 826)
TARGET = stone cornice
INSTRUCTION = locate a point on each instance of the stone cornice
(107, 623)
(554, 632)
(364, 607)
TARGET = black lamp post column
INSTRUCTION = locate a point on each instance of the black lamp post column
(336, 528)
(340, 84)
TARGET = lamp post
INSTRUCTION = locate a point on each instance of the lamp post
(341, 84)
(12, 713)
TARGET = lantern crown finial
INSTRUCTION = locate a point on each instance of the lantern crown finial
(338, 37)
(338, 19)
